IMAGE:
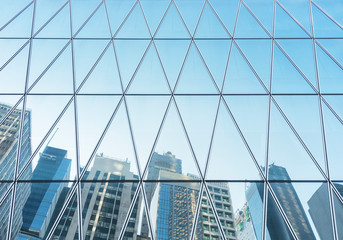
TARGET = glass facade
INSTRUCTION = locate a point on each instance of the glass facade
(171, 119)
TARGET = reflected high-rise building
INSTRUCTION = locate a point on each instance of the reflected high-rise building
(53, 164)
(9, 138)
(320, 216)
(105, 200)
(244, 226)
(290, 202)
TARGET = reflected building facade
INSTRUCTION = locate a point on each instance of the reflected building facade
(244, 226)
(290, 202)
(320, 216)
(105, 200)
(9, 138)
(53, 164)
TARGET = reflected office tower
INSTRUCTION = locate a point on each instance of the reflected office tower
(166, 162)
(319, 214)
(53, 164)
(9, 137)
(290, 202)
(173, 207)
(244, 227)
(105, 201)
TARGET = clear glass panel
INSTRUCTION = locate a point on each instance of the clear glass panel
(226, 11)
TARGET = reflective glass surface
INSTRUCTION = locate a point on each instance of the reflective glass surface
(171, 119)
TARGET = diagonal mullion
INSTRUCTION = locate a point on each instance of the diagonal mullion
(221, 22)
(125, 19)
(183, 21)
(7, 193)
(329, 54)
(294, 19)
(162, 19)
(14, 55)
(323, 11)
(18, 14)
(197, 212)
(332, 110)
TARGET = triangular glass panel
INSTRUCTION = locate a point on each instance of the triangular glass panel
(57, 149)
(258, 53)
(117, 10)
(215, 54)
(332, 7)
(146, 114)
(134, 25)
(8, 48)
(21, 26)
(10, 132)
(104, 79)
(174, 212)
(94, 113)
(240, 78)
(45, 10)
(58, 78)
(247, 26)
(338, 203)
(227, 11)
(108, 202)
(13, 76)
(333, 137)
(303, 113)
(336, 103)
(129, 54)
(251, 115)
(8, 9)
(285, 26)
(42, 54)
(81, 10)
(154, 12)
(306, 205)
(198, 115)
(84, 60)
(227, 147)
(148, 224)
(149, 78)
(37, 204)
(287, 153)
(67, 226)
(286, 78)
(304, 59)
(58, 27)
(172, 54)
(97, 26)
(333, 46)
(254, 197)
(276, 226)
(264, 12)
(330, 74)
(190, 12)
(210, 26)
(194, 77)
(172, 149)
(172, 25)
(38, 121)
(323, 25)
(299, 10)
(115, 147)
(5, 209)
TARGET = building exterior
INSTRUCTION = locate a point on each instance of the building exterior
(9, 136)
(105, 201)
(53, 164)
(244, 226)
(320, 216)
(290, 202)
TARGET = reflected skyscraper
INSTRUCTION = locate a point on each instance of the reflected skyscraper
(9, 138)
(105, 200)
(319, 214)
(244, 226)
(53, 164)
(290, 202)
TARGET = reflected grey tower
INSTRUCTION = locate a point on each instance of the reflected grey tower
(319, 214)
(9, 137)
(37, 212)
(290, 202)
(105, 200)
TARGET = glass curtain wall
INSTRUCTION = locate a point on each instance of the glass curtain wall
(171, 119)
